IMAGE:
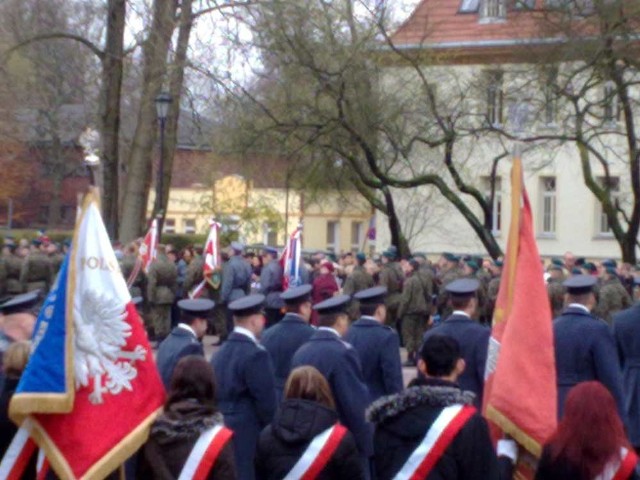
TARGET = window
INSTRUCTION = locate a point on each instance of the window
(270, 233)
(612, 109)
(492, 9)
(524, 4)
(189, 225)
(169, 225)
(357, 236)
(333, 236)
(496, 206)
(548, 220)
(551, 96)
(495, 98)
(469, 6)
(67, 213)
(602, 222)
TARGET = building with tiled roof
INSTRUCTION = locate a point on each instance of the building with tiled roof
(482, 59)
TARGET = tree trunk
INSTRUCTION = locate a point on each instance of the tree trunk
(628, 248)
(56, 163)
(112, 67)
(397, 238)
(139, 163)
(176, 81)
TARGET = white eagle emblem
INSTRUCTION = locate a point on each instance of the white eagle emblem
(101, 332)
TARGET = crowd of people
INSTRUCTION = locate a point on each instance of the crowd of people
(307, 381)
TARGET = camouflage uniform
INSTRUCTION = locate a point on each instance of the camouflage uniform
(162, 284)
(392, 279)
(556, 292)
(3, 276)
(13, 266)
(612, 298)
(414, 312)
(492, 296)
(192, 279)
(358, 280)
(36, 273)
(56, 263)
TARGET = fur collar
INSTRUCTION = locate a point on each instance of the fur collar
(391, 406)
(184, 421)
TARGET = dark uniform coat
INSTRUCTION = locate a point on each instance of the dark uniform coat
(246, 395)
(36, 272)
(271, 285)
(359, 280)
(474, 343)
(236, 279)
(13, 265)
(180, 343)
(340, 365)
(296, 424)
(379, 350)
(585, 350)
(282, 341)
(626, 331)
(403, 420)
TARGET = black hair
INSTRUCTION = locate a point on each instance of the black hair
(329, 319)
(440, 353)
(368, 309)
(193, 378)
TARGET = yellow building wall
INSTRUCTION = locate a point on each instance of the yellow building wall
(343, 219)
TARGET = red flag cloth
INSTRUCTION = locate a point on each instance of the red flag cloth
(520, 395)
(149, 247)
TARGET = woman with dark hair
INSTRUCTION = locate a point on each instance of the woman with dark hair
(189, 436)
(590, 442)
(305, 438)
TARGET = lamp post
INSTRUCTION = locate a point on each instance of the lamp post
(163, 100)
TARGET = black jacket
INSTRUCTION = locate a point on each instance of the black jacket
(283, 442)
(402, 421)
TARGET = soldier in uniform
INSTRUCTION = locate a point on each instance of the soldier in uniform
(626, 331)
(185, 339)
(36, 272)
(13, 266)
(56, 257)
(612, 297)
(245, 381)
(271, 285)
(471, 269)
(339, 363)
(584, 346)
(283, 339)
(391, 277)
(236, 279)
(493, 287)
(414, 311)
(358, 280)
(449, 271)
(127, 265)
(472, 337)
(18, 319)
(162, 284)
(555, 289)
(377, 345)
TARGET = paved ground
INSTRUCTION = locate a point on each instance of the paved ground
(407, 373)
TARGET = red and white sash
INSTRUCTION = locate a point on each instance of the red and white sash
(18, 454)
(435, 442)
(620, 468)
(317, 454)
(204, 453)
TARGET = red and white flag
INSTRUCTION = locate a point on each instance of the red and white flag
(91, 388)
(212, 259)
(291, 259)
(147, 253)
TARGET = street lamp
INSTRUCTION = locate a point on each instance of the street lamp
(163, 100)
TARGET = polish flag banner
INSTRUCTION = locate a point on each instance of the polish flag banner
(91, 388)
(212, 260)
(290, 260)
(520, 393)
(147, 253)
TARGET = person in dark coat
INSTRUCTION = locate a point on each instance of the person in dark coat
(590, 442)
(324, 286)
(18, 319)
(16, 358)
(189, 412)
(584, 345)
(377, 345)
(403, 420)
(338, 362)
(626, 332)
(271, 285)
(236, 280)
(307, 412)
(185, 338)
(285, 338)
(245, 380)
(472, 337)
